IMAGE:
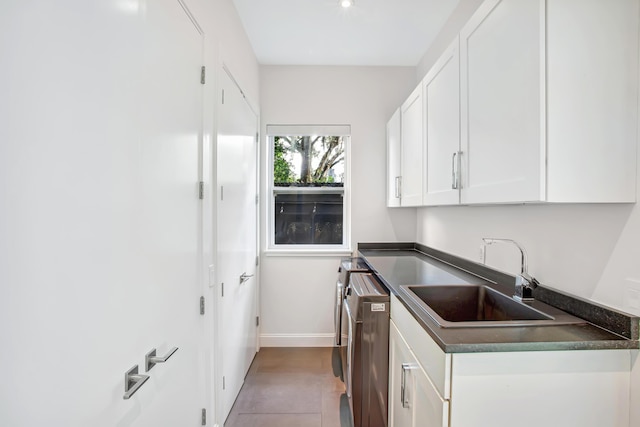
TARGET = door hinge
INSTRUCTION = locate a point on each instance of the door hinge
(204, 417)
(202, 305)
(201, 190)
(257, 199)
(221, 192)
(222, 96)
(222, 289)
(257, 260)
(257, 137)
(223, 383)
(202, 75)
(257, 321)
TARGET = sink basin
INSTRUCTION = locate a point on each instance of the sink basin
(476, 305)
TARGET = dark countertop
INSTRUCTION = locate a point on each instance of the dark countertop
(399, 264)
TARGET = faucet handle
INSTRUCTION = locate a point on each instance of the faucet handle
(525, 285)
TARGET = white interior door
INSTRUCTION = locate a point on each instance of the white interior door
(100, 221)
(237, 237)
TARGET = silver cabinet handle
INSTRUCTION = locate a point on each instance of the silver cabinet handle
(454, 175)
(133, 381)
(244, 277)
(404, 394)
(398, 184)
(455, 170)
(150, 359)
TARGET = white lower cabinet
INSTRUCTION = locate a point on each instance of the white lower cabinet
(427, 387)
(414, 401)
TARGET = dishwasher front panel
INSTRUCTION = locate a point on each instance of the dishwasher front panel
(366, 354)
(375, 361)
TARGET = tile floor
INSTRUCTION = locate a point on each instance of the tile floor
(292, 387)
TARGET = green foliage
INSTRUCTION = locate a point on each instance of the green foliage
(281, 166)
(323, 152)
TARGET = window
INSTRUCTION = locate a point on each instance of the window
(308, 187)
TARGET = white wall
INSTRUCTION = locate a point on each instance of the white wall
(365, 98)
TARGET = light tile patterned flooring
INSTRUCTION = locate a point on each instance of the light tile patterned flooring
(292, 387)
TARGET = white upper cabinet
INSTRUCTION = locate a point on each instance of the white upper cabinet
(592, 100)
(393, 160)
(501, 103)
(536, 101)
(412, 148)
(549, 101)
(442, 127)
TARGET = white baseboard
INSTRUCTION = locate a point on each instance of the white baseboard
(297, 340)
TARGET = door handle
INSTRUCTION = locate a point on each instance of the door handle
(133, 381)
(150, 359)
(244, 277)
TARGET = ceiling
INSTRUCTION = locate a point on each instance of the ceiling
(320, 32)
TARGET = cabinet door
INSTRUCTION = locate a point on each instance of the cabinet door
(430, 409)
(501, 103)
(413, 400)
(592, 117)
(412, 149)
(399, 353)
(442, 113)
(393, 160)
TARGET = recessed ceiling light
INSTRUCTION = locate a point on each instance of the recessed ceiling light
(346, 3)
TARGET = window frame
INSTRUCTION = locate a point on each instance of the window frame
(309, 249)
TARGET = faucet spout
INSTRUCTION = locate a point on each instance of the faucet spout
(525, 284)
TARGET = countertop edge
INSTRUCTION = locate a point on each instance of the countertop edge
(611, 321)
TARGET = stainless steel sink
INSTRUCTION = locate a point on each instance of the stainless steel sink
(462, 306)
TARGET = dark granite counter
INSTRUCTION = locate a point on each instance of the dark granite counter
(398, 264)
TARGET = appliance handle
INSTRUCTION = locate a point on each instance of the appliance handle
(337, 313)
(348, 310)
(350, 349)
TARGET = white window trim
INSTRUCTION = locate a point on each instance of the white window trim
(309, 250)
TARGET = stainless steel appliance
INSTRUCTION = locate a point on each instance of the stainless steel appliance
(365, 351)
(347, 266)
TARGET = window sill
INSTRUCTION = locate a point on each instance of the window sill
(311, 252)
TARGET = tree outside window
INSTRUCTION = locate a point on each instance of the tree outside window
(308, 190)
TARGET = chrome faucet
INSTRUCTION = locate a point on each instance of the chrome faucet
(525, 284)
